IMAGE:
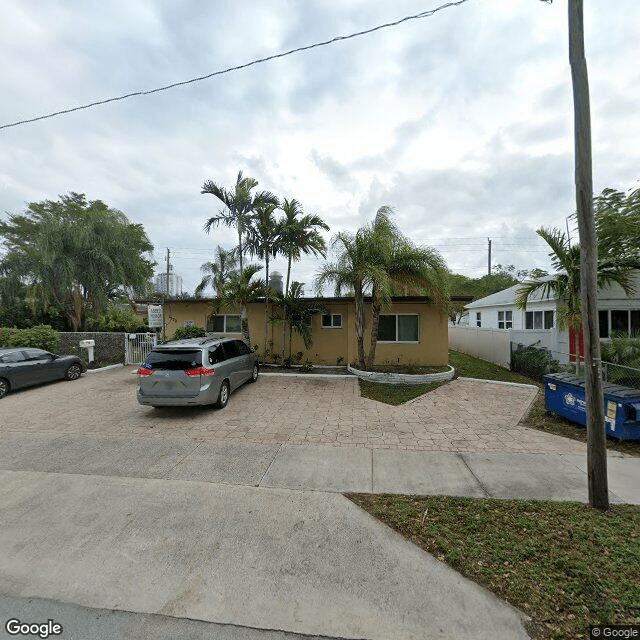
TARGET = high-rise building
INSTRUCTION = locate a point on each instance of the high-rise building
(175, 283)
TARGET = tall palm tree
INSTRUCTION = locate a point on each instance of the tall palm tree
(565, 285)
(239, 205)
(217, 273)
(238, 292)
(262, 241)
(299, 234)
(405, 268)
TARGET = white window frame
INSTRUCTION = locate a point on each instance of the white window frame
(505, 319)
(539, 314)
(225, 315)
(478, 319)
(396, 341)
(332, 317)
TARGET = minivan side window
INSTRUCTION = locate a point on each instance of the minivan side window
(216, 355)
(242, 347)
(230, 349)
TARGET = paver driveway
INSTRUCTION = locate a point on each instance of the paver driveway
(463, 415)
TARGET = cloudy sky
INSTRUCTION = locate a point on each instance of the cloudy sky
(463, 122)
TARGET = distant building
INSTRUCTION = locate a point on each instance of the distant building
(175, 284)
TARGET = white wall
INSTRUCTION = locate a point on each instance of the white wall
(493, 345)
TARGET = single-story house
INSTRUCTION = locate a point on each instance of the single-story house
(413, 330)
(538, 323)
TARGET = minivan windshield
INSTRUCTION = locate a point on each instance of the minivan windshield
(173, 359)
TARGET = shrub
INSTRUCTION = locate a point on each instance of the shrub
(38, 337)
(533, 362)
(122, 320)
(189, 332)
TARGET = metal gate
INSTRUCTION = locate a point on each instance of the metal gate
(137, 346)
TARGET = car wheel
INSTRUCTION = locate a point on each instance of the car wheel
(223, 396)
(4, 387)
(73, 372)
(254, 373)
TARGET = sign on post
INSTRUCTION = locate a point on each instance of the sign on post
(156, 318)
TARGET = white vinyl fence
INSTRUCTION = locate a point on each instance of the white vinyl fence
(494, 345)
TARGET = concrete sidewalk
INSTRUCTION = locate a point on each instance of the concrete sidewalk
(540, 476)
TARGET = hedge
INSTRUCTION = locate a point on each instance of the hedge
(38, 337)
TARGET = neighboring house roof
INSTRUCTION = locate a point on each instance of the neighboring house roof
(508, 296)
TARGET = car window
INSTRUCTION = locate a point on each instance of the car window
(16, 356)
(173, 359)
(242, 347)
(230, 349)
(216, 354)
(37, 354)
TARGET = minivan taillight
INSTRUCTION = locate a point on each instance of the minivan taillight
(143, 371)
(200, 371)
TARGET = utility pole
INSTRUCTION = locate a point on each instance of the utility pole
(164, 302)
(489, 258)
(596, 438)
(167, 283)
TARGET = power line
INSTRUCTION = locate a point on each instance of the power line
(417, 16)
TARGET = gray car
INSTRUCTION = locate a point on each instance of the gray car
(25, 367)
(195, 371)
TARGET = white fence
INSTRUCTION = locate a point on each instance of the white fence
(494, 345)
(137, 346)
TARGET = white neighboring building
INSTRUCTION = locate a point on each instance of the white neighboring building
(537, 324)
(175, 284)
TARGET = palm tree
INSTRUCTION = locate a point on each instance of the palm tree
(239, 205)
(565, 285)
(405, 268)
(262, 241)
(238, 292)
(217, 273)
(299, 234)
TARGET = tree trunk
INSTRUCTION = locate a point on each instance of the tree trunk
(240, 248)
(284, 308)
(266, 304)
(244, 323)
(596, 436)
(375, 319)
(359, 304)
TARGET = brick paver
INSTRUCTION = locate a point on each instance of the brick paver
(463, 415)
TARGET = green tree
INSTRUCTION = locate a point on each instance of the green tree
(565, 284)
(238, 292)
(239, 206)
(75, 255)
(217, 273)
(299, 234)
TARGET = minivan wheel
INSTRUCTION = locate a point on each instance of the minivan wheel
(223, 397)
(254, 373)
(73, 372)
(4, 387)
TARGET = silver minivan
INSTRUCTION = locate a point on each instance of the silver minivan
(195, 371)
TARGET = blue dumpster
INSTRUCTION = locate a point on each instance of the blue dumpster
(564, 394)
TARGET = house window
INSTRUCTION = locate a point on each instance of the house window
(538, 319)
(332, 320)
(505, 319)
(399, 328)
(224, 323)
(478, 319)
(619, 321)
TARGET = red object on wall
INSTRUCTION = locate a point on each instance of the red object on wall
(576, 339)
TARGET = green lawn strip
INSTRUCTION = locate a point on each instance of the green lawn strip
(471, 367)
(562, 563)
(394, 393)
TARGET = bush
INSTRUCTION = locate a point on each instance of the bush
(122, 320)
(533, 363)
(39, 337)
(189, 332)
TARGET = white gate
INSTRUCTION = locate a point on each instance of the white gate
(137, 346)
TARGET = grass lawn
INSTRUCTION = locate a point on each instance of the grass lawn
(394, 393)
(563, 564)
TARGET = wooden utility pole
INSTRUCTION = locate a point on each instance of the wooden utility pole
(489, 258)
(596, 438)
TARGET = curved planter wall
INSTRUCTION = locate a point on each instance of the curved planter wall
(402, 378)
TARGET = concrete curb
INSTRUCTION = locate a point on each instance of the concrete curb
(110, 366)
(305, 375)
(512, 384)
(402, 378)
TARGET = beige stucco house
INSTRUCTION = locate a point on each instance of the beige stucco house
(412, 330)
